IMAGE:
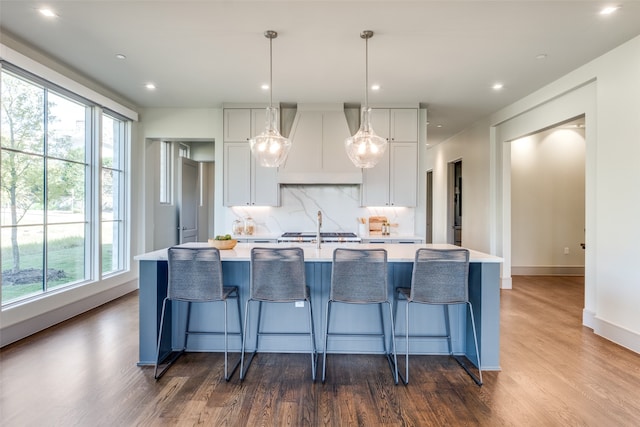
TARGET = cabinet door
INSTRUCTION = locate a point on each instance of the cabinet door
(403, 173)
(375, 183)
(380, 122)
(404, 124)
(237, 124)
(265, 190)
(237, 174)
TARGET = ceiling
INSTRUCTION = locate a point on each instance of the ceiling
(445, 55)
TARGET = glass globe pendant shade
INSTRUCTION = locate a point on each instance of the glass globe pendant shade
(365, 148)
(270, 149)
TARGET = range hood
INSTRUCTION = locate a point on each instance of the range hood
(317, 153)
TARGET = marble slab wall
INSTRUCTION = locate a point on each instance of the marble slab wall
(340, 206)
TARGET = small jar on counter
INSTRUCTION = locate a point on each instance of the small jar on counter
(386, 229)
(237, 228)
(249, 226)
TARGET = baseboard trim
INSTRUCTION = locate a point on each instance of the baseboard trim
(588, 318)
(549, 270)
(506, 283)
(617, 334)
(18, 331)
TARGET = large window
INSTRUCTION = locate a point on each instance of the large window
(62, 199)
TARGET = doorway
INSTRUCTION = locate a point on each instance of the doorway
(548, 200)
(429, 208)
(455, 203)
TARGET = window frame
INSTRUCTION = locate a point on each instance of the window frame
(94, 168)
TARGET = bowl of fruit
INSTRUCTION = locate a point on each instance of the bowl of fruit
(223, 242)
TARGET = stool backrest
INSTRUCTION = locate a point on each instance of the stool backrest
(359, 275)
(278, 274)
(440, 276)
(195, 274)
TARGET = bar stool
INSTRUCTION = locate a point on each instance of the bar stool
(359, 276)
(195, 276)
(278, 276)
(440, 276)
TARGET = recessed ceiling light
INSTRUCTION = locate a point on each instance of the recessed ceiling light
(150, 86)
(541, 56)
(120, 56)
(264, 87)
(497, 86)
(438, 126)
(375, 87)
(47, 12)
(609, 10)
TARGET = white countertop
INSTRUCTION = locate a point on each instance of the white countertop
(396, 252)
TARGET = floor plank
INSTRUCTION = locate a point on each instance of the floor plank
(554, 372)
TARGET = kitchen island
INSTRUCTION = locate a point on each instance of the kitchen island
(484, 293)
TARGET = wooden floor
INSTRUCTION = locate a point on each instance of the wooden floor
(555, 372)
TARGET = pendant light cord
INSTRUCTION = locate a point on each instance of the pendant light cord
(366, 72)
(271, 72)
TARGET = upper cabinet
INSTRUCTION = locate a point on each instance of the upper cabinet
(237, 124)
(396, 124)
(245, 182)
(393, 181)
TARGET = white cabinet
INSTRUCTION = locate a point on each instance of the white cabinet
(245, 182)
(396, 124)
(393, 181)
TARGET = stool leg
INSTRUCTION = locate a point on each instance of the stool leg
(448, 327)
(187, 328)
(393, 346)
(313, 342)
(226, 342)
(244, 340)
(406, 355)
(326, 336)
(475, 341)
(155, 372)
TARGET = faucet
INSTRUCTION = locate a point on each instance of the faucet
(318, 225)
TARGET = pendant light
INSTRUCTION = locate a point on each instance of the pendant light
(365, 148)
(270, 149)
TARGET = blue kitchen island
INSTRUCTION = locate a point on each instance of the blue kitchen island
(484, 293)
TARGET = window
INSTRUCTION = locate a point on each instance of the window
(184, 151)
(49, 184)
(112, 194)
(166, 170)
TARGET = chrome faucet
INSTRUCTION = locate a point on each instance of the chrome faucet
(318, 225)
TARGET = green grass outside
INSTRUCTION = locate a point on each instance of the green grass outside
(66, 254)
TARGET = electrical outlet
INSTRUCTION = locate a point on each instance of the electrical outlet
(299, 304)
(566, 251)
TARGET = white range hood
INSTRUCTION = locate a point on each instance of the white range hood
(317, 153)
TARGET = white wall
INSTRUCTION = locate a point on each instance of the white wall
(472, 147)
(607, 91)
(548, 202)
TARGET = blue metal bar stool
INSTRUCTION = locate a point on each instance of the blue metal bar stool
(278, 276)
(195, 276)
(359, 276)
(440, 276)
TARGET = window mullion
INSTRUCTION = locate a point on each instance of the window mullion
(45, 196)
(95, 183)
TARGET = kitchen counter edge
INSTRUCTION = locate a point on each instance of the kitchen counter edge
(396, 252)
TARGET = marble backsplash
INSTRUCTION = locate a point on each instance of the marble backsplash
(340, 206)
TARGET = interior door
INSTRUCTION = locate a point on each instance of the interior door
(188, 201)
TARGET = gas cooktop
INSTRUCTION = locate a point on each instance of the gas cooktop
(332, 236)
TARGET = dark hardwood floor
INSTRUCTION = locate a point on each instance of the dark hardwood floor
(555, 372)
